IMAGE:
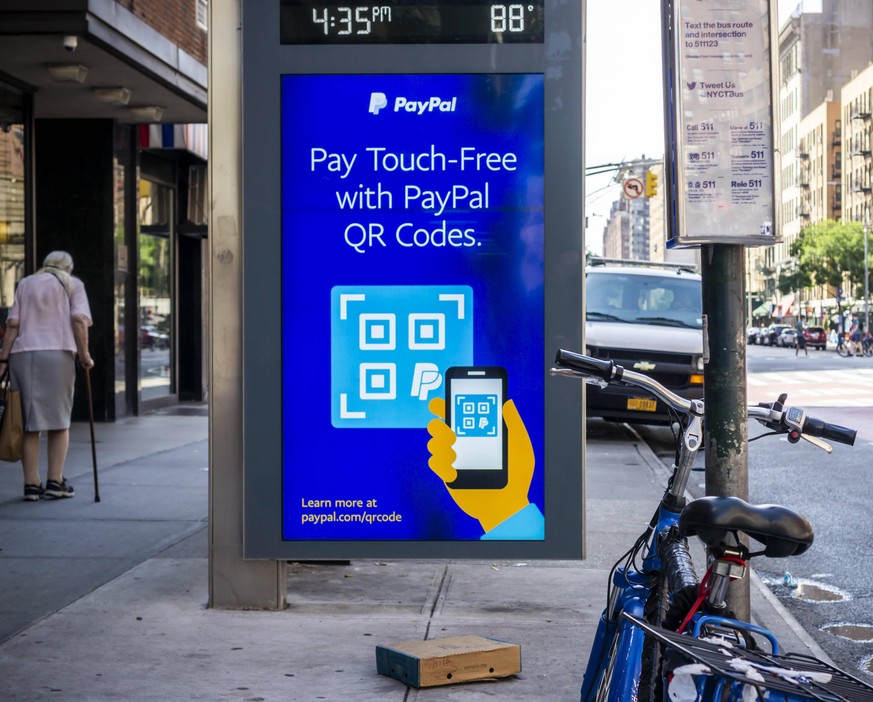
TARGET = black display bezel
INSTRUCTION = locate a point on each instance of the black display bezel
(412, 22)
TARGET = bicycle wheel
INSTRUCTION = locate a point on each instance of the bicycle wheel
(651, 689)
(673, 592)
(843, 350)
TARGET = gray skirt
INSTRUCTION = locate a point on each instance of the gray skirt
(46, 380)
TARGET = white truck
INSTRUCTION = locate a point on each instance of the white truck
(646, 317)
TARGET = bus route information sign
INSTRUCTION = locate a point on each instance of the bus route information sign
(724, 165)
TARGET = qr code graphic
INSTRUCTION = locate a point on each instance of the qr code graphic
(390, 347)
(475, 415)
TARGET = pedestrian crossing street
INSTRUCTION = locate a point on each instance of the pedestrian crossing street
(852, 387)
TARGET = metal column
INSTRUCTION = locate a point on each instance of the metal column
(726, 429)
(234, 583)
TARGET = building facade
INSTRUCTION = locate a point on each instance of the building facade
(856, 102)
(821, 164)
(103, 154)
(626, 234)
(820, 51)
(617, 230)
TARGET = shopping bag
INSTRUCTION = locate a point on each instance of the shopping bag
(11, 422)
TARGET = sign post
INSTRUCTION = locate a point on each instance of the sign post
(722, 163)
(413, 258)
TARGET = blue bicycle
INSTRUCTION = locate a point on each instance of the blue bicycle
(665, 634)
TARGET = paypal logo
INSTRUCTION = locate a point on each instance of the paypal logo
(378, 101)
(426, 377)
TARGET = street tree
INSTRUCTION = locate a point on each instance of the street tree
(828, 253)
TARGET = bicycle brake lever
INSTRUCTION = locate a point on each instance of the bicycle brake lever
(779, 405)
(579, 375)
(815, 441)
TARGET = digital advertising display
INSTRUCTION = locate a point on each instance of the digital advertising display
(413, 256)
(412, 267)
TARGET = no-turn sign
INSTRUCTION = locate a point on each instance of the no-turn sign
(633, 188)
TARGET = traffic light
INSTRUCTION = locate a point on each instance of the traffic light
(651, 184)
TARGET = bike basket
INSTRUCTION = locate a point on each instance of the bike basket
(791, 677)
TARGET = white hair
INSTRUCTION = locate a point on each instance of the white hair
(60, 265)
(59, 259)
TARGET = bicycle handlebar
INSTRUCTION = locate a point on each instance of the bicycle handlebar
(605, 372)
(834, 432)
(790, 420)
(589, 366)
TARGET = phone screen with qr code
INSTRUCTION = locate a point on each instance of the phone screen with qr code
(474, 410)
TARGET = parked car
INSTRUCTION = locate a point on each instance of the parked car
(151, 338)
(787, 337)
(816, 337)
(761, 333)
(647, 318)
(770, 336)
(752, 334)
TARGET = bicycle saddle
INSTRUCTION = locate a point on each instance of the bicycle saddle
(783, 532)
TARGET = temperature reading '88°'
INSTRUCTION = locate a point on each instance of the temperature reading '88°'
(508, 18)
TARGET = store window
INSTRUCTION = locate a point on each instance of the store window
(12, 195)
(156, 323)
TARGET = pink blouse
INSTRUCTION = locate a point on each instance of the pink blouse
(45, 313)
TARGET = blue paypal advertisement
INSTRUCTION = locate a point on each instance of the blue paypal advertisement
(412, 307)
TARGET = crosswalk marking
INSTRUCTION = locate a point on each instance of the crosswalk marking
(852, 387)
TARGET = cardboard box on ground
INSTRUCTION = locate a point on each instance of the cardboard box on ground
(448, 660)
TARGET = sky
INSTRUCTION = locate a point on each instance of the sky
(624, 108)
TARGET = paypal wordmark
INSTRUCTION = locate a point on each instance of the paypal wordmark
(419, 107)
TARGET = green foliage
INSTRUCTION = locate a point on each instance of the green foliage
(154, 266)
(825, 252)
(790, 281)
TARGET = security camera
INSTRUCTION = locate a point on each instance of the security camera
(71, 42)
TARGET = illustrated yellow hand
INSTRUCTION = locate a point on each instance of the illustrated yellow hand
(490, 507)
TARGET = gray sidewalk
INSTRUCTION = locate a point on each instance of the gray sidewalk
(106, 601)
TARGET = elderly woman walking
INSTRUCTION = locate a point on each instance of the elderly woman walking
(47, 327)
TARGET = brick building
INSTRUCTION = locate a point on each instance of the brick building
(103, 154)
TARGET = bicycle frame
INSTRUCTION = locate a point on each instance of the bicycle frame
(614, 667)
(615, 660)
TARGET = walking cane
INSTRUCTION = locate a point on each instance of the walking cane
(93, 441)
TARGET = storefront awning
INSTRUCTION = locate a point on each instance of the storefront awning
(784, 308)
(191, 137)
(762, 310)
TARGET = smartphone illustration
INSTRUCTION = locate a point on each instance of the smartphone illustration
(474, 410)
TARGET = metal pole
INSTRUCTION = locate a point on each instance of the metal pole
(234, 582)
(726, 430)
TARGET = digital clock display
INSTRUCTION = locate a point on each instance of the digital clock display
(411, 22)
